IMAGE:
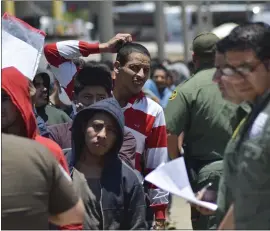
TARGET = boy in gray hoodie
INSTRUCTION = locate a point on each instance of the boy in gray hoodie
(111, 191)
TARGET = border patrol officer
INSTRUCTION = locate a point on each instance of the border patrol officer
(197, 110)
(246, 181)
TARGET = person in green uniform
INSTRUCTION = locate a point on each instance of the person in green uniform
(231, 90)
(246, 181)
(198, 111)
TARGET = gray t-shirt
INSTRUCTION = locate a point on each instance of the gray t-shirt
(90, 191)
(34, 185)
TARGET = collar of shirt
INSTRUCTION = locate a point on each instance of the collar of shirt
(133, 99)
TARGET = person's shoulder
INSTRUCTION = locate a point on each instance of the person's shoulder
(128, 134)
(57, 127)
(200, 79)
(49, 144)
(59, 113)
(201, 82)
(11, 141)
(54, 109)
(263, 119)
(34, 150)
(151, 107)
(206, 71)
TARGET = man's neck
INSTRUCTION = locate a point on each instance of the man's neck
(121, 97)
(90, 159)
(90, 165)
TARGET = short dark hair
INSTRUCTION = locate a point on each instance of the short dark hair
(93, 75)
(250, 36)
(127, 49)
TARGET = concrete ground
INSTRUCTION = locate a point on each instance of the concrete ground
(180, 213)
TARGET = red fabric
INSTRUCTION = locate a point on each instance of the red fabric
(54, 57)
(137, 97)
(156, 140)
(160, 211)
(88, 48)
(145, 120)
(16, 85)
(72, 227)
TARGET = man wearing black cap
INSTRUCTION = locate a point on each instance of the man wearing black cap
(204, 46)
(197, 110)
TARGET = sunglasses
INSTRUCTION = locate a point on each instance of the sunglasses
(243, 70)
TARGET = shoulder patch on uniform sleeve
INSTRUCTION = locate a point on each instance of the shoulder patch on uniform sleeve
(173, 96)
(258, 125)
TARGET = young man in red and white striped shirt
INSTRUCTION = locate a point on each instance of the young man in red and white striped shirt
(143, 117)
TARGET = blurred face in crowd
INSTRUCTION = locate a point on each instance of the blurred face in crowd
(245, 67)
(160, 78)
(100, 134)
(9, 112)
(11, 120)
(90, 95)
(133, 75)
(41, 98)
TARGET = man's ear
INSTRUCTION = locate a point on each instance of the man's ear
(116, 67)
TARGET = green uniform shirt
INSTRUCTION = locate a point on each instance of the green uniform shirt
(197, 108)
(247, 170)
(224, 199)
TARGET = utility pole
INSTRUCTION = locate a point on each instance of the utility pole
(9, 7)
(160, 29)
(57, 12)
(185, 31)
(106, 25)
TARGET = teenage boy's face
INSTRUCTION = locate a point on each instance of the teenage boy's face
(100, 134)
(41, 91)
(91, 94)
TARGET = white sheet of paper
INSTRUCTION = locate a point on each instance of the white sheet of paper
(19, 54)
(173, 178)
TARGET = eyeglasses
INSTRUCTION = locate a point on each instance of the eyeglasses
(242, 70)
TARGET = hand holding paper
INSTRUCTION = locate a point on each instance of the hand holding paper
(172, 177)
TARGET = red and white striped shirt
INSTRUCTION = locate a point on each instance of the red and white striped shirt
(145, 119)
(59, 56)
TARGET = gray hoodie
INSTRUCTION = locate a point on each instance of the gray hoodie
(122, 196)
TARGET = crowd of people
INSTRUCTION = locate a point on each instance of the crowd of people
(79, 139)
